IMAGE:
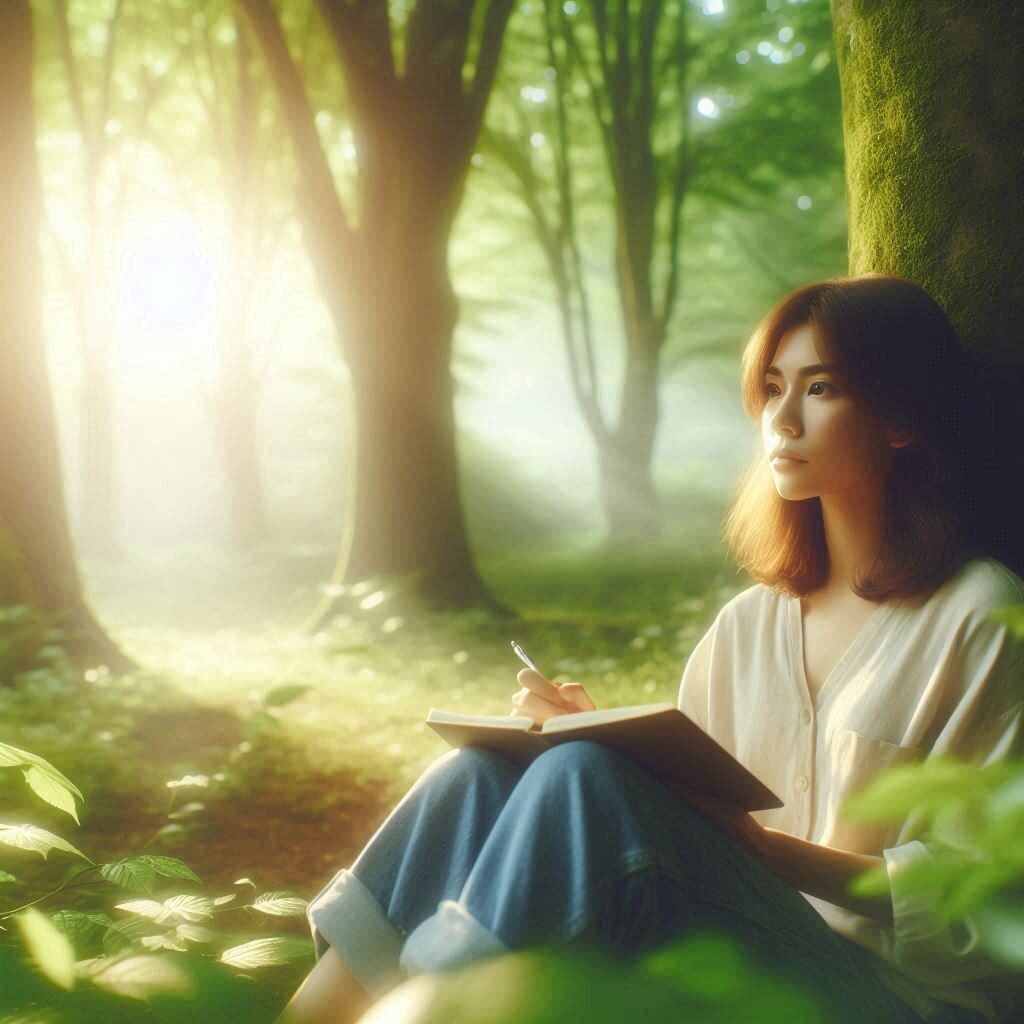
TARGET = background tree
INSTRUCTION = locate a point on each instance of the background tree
(381, 262)
(241, 137)
(37, 564)
(107, 107)
(662, 92)
(933, 128)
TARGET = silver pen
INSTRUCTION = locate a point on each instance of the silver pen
(525, 658)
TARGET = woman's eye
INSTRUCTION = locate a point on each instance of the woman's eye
(771, 390)
(823, 384)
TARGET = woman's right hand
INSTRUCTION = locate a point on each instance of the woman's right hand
(541, 699)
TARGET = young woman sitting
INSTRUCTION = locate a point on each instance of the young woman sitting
(864, 644)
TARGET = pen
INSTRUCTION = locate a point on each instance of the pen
(525, 658)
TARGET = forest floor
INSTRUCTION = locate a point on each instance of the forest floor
(250, 748)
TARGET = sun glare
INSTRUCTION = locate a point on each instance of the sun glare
(168, 279)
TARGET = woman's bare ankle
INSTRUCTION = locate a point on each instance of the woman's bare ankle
(330, 994)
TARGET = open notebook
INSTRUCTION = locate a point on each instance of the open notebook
(659, 737)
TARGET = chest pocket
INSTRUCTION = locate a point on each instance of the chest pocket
(854, 762)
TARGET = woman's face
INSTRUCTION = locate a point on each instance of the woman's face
(835, 443)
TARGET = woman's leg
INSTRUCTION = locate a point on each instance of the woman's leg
(591, 848)
(420, 856)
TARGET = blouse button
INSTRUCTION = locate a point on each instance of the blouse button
(805, 717)
(801, 783)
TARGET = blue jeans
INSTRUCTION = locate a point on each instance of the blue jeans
(582, 848)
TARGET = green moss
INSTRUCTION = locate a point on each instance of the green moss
(934, 159)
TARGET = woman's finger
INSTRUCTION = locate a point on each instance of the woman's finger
(544, 688)
(539, 709)
(575, 695)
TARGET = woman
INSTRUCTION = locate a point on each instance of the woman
(863, 644)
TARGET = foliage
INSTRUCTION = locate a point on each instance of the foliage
(171, 951)
(701, 978)
(972, 818)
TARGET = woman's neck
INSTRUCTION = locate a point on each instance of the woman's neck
(854, 523)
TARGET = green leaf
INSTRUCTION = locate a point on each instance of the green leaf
(282, 695)
(174, 910)
(187, 810)
(191, 908)
(282, 949)
(1000, 924)
(133, 874)
(197, 933)
(1011, 615)
(145, 908)
(170, 867)
(873, 882)
(79, 927)
(6, 878)
(38, 840)
(142, 976)
(138, 874)
(280, 904)
(45, 780)
(923, 788)
(48, 947)
(52, 791)
(123, 935)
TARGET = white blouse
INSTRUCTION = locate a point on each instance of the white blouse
(924, 676)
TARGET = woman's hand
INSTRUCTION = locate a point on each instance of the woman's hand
(541, 699)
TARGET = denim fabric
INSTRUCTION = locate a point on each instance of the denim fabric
(582, 848)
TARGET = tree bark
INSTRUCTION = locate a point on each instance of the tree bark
(37, 563)
(386, 282)
(933, 124)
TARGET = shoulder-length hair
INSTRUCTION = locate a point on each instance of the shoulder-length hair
(901, 357)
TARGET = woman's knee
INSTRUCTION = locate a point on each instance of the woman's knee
(575, 759)
(469, 766)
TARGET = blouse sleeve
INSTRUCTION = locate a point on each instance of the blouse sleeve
(987, 725)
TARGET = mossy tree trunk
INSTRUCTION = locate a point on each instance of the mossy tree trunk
(37, 563)
(933, 125)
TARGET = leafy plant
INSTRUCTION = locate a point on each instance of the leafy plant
(166, 949)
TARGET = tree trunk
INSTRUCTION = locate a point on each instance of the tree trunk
(235, 406)
(408, 518)
(99, 533)
(933, 126)
(36, 558)
(386, 281)
(628, 494)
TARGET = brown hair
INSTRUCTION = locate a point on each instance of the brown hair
(902, 359)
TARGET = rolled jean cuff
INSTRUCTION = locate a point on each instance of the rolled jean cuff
(449, 939)
(347, 916)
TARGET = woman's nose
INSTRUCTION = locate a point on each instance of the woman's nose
(786, 417)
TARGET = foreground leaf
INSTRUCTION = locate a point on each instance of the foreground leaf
(48, 947)
(142, 976)
(282, 695)
(52, 790)
(45, 781)
(283, 949)
(280, 904)
(37, 840)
